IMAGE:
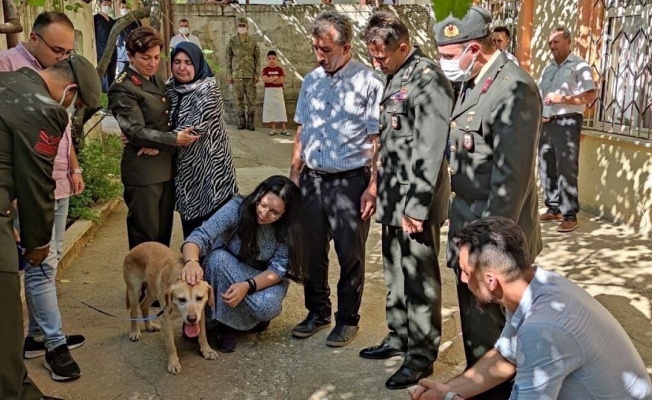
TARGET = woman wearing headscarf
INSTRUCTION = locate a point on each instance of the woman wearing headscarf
(205, 174)
(138, 102)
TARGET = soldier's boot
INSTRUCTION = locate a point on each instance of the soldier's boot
(243, 122)
(250, 122)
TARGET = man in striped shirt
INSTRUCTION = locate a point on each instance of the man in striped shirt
(333, 162)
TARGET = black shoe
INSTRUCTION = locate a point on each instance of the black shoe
(34, 349)
(226, 339)
(406, 377)
(250, 122)
(243, 122)
(51, 398)
(61, 365)
(260, 327)
(381, 352)
(341, 335)
(311, 325)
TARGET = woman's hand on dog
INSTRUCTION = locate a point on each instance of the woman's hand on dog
(192, 273)
(235, 293)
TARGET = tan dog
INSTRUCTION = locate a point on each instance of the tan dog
(158, 268)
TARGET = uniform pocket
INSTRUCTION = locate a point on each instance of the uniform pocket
(397, 117)
(473, 138)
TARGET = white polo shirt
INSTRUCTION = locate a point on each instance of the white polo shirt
(572, 77)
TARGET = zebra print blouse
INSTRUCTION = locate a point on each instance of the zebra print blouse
(205, 174)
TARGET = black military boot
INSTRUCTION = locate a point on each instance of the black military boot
(243, 122)
(250, 122)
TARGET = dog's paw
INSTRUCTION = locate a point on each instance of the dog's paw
(209, 354)
(152, 327)
(174, 367)
(134, 336)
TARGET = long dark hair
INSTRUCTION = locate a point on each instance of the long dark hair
(287, 228)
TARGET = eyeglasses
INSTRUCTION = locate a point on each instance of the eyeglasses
(242, 25)
(56, 50)
(266, 209)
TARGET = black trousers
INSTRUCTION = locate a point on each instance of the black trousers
(331, 210)
(14, 383)
(559, 151)
(151, 209)
(481, 328)
(413, 284)
(190, 225)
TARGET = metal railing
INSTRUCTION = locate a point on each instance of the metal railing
(505, 13)
(624, 102)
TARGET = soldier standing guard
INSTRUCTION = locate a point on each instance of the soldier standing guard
(413, 195)
(243, 63)
(33, 119)
(494, 133)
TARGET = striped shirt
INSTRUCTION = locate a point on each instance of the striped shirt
(338, 114)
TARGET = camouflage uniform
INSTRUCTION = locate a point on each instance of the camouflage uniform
(243, 63)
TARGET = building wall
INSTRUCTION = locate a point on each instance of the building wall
(286, 30)
(615, 177)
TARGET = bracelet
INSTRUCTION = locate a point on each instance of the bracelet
(184, 264)
(77, 171)
(252, 286)
(450, 396)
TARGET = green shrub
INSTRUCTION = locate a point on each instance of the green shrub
(100, 160)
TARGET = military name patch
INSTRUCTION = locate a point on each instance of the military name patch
(47, 144)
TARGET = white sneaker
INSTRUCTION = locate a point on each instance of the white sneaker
(272, 132)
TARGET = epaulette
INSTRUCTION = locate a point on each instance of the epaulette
(121, 78)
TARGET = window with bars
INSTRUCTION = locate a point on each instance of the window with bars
(624, 103)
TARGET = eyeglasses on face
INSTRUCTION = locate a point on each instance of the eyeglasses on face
(56, 49)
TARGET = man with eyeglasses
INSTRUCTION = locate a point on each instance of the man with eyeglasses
(52, 39)
(33, 120)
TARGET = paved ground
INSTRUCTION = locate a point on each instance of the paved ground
(615, 265)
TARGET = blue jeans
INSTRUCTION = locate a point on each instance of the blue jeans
(40, 292)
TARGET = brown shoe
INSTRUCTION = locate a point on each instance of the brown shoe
(567, 226)
(551, 217)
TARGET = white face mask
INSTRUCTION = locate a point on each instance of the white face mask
(184, 30)
(71, 107)
(452, 68)
(106, 10)
(242, 31)
(124, 11)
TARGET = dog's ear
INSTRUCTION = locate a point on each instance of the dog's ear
(168, 300)
(211, 296)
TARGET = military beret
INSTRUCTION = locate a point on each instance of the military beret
(475, 25)
(243, 20)
(87, 80)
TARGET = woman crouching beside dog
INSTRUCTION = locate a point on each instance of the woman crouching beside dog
(248, 250)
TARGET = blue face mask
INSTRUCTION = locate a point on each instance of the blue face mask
(452, 68)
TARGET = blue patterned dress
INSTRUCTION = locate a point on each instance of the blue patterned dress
(222, 268)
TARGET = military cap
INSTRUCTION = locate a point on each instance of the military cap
(87, 80)
(475, 25)
(243, 20)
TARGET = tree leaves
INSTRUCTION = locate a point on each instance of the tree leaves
(443, 8)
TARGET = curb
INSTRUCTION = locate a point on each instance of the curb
(82, 231)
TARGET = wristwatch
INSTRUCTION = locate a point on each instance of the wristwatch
(77, 171)
(450, 396)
